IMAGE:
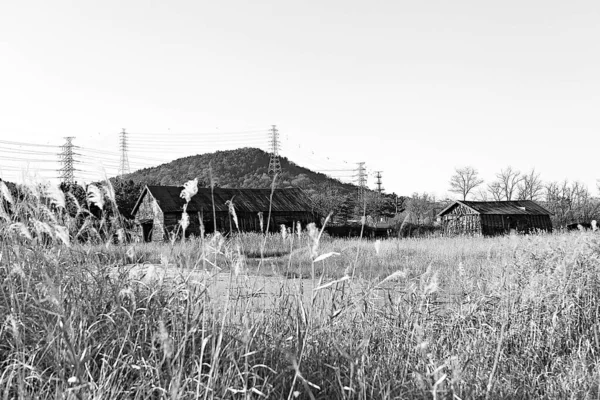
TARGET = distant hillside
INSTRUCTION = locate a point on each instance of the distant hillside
(248, 168)
(240, 168)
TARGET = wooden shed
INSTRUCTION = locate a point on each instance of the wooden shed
(159, 210)
(494, 217)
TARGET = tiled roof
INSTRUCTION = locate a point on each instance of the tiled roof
(515, 207)
(244, 200)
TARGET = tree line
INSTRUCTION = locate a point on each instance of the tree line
(569, 201)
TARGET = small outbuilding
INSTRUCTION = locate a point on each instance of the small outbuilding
(494, 217)
(159, 210)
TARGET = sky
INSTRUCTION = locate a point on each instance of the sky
(414, 89)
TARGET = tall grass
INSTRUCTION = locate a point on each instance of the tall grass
(510, 317)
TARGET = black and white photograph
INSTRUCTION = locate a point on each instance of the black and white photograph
(278, 199)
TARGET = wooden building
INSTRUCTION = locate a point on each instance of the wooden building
(494, 217)
(159, 210)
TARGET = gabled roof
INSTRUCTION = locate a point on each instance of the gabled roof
(514, 207)
(244, 200)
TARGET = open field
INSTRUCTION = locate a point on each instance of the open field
(431, 318)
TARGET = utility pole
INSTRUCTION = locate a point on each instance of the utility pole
(274, 163)
(66, 159)
(361, 181)
(380, 188)
(124, 162)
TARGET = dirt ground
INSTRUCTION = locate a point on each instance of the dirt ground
(257, 293)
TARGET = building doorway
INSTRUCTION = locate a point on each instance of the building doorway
(147, 228)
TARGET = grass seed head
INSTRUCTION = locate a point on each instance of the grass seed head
(5, 193)
(185, 221)
(121, 235)
(190, 189)
(13, 325)
(313, 234)
(260, 220)
(110, 191)
(95, 196)
(62, 233)
(3, 213)
(229, 204)
(74, 201)
(283, 231)
(130, 253)
(165, 341)
(57, 196)
(21, 229)
(42, 227)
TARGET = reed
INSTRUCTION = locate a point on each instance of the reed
(506, 317)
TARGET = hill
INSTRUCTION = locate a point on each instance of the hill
(240, 168)
(248, 168)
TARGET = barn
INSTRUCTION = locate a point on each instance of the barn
(494, 217)
(159, 210)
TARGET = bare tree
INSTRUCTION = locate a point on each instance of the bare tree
(558, 201)
(464, 181)
(571, 202)
(531, 186)
(495, 190)
(505, 187)
(482, 195)
(421, 206)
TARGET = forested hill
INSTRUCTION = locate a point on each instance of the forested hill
(240, 168)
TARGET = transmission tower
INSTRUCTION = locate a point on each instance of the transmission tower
(66, 158)
(380, 188)
(361, 181)
(124, 162)
(274, 164)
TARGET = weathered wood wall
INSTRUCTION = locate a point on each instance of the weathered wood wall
(465, 222)
(461, 220)
(500, 224)
(150, 212)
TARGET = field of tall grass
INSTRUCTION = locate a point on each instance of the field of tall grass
(441, 318)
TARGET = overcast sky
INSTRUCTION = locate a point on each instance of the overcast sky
(413, 88)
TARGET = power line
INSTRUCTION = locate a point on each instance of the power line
(336, 170)
(29, 160)
(116, 154)
(24, 151)
(27, 144)
(199, 133)
(150, 143)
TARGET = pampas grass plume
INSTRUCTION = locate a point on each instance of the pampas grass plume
(57, 197)
(260, 220)
(5, 193)
(63, 234)
(229, 204)
(190, 189)
(377, 246)
(185, 220)
(21, 229)
(283, 231)
(110, 191)
(95, 196)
